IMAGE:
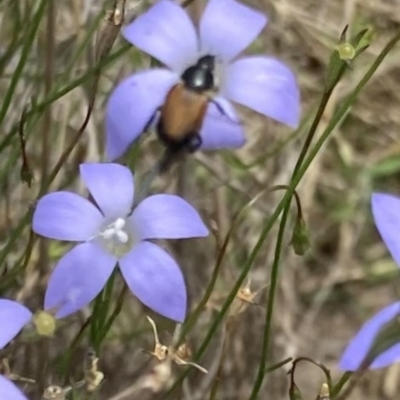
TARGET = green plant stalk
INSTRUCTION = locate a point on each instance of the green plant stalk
(16, 234)
(189, 324)
(40, 107)
(16, 39)
(104, 308)
(299, 171)
(114, 314)
(65, 361)
(218, 376)
(339, 114)
(339, 385)
(100, 311)
(278, 365)
(279, 242)
(191, 321)
(28, 42)
(270, 301)
(90, 32)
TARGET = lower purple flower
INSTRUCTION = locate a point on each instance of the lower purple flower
(13, 317)
(378, 341)
(361, 347)
(112, 233)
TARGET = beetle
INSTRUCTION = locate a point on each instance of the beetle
(184, 109)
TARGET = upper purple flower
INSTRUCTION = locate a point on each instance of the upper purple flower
(226, 28)
(13, 317)
(386, 213)
(111, 232)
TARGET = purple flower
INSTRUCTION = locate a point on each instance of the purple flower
(112, 233)
(386, 213)
(227, 27)
(13, 317)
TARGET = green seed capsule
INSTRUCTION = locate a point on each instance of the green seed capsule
(346, 51)
(45, 323)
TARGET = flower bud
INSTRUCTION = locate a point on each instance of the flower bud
(294, 392)
(45, 323)
(346, 51)
(324, 392)
(54, 393)
(300, 240)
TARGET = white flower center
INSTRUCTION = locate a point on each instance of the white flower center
(115, 231)
(117, 237)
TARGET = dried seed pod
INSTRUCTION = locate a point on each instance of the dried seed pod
(324, 392)
(110, 29)
(244, 297)
(54, 393)
(93, 376)
(162, 352)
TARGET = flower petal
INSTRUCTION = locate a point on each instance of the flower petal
(360, 345)
(221, 131)
(156, 280)
(165, 216)
(13, 317)
(165, 32)
(387, 358)
(78, 278)
(66, 216)
(132, 105)
(386, 213)
(112, 187)
(227, 27)
(265, 85)
(8, 391)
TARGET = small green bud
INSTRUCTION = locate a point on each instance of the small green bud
(45, 323)
(294, 392)
(346, 51)
(300, 240)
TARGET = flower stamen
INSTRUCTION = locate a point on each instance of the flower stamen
(115, 230)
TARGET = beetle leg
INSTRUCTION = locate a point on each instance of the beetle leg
(194, 143)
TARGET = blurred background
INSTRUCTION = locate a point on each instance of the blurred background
(323, 297)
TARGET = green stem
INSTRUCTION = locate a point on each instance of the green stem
(342, 381)
(28, 42)
(298, 173)
(189, 324)
(286, 198)
(40, 107)
(15, 36)
(270, 302)
(278, 247)
(278, 365)
(114, 314)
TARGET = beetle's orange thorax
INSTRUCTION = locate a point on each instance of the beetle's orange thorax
(183, 112)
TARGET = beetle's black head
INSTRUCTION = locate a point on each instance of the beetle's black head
(200, 77)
